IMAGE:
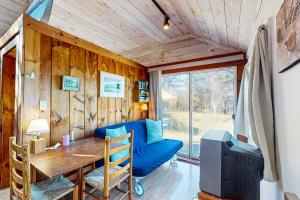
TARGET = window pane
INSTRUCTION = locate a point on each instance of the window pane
(175, 95)
(213, 101)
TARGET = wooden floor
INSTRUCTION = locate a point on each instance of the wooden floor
(169, 182)
(4, 194)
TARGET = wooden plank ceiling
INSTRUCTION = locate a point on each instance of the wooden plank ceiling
(133, 28)
(10, 10)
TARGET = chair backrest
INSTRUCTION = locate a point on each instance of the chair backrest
(108, 151)
(19, 164)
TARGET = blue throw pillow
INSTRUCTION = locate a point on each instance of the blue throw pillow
(115, 133)
(154, 131)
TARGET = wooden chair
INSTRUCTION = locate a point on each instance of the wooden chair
(111, 174)
(20, 185)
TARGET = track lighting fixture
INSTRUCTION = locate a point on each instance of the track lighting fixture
(166, 24)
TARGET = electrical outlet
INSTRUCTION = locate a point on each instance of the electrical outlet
(43, 105)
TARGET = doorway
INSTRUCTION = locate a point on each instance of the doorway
(8, 75)
(196, 102)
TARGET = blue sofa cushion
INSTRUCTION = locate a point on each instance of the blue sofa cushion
(140, 133)
(154, 131)
(115, 133)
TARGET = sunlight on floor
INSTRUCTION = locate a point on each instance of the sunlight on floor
(174, 181)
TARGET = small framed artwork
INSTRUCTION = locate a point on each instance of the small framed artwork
(112, 85)
(71, 83)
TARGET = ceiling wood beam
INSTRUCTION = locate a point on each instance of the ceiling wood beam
(200, 59)
(209, 66)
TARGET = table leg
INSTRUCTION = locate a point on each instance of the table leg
(79, 182)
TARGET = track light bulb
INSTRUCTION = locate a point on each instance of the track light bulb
(166, 24)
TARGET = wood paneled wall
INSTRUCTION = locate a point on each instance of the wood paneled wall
(80, 111)
(8, 96)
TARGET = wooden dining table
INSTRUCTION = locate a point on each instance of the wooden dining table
(66, 159)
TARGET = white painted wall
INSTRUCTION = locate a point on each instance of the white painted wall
(287, 114)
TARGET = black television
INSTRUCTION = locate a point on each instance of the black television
(230, 168)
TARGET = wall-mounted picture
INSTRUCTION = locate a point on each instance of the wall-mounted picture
(112, 85)
(288, 35)
(70, 83)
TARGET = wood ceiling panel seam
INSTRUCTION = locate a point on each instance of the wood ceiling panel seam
(237, 55)
(232, 11)
(4, 25)
(18, 3)
(9, 12)
(160, 48)
(219, 20)
(98, 43)
(136, 18)
(89, 19)
(224, 9)
(195, 10)
(184, 57)
(174, 52)
(21, 2)
(110, 17)
(247, 18)
(7, 19)
(3, 22)
(237, 41)
(183, 52)
(68, 38)
(125, 42)
(157, 44)
(207, 14)
(144, 19)
(150, 10)
(182, 8)
(213, 43)
(12, 6)
(82, 33)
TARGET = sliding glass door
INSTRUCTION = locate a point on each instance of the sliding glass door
(196, 102)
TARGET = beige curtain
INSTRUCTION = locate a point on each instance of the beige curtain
(241, 123)
(254, 116)
(155, 95)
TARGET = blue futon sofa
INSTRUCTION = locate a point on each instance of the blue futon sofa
(146, 157)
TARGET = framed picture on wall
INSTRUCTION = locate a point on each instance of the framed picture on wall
(112, 85)
(70, 83)
(288, 35)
